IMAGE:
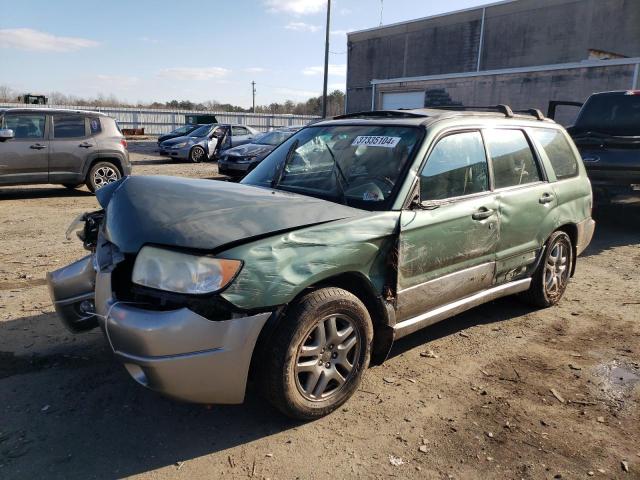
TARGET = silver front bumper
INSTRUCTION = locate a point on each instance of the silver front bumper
(178, 352)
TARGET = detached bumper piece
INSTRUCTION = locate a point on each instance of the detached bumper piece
(72, 291)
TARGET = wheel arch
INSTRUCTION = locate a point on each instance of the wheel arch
(382, 316)
(103, 157)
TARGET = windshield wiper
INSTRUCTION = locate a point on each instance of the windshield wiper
(278, 176)
(337, 169)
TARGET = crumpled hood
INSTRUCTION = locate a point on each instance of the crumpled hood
(204, 214)
(249, 150)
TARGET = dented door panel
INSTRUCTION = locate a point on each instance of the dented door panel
(436, 243)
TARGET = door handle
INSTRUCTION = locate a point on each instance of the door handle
(85, 145)
(38, 146)
(482, 213)
(546, 198)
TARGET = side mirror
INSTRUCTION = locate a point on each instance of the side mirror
(6, 134)
(216, 134)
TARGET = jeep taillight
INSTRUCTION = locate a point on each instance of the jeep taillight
(123, 142)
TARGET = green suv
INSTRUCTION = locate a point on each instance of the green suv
(352, 233)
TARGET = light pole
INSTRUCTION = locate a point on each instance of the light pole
(326, 61)
(253, 94)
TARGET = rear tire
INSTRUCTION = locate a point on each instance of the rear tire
(101, 174)
(197, 154)
(318, 354)
(550, 280)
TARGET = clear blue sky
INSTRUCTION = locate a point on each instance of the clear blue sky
(187, 50)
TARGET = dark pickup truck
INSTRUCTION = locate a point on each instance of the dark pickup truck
(607, 134)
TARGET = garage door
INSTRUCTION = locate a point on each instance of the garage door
(394, 100)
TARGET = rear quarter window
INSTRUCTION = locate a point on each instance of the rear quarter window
(558, 151)
(94, 125)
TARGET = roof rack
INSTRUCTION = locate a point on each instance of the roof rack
(532, 111)
(504, 109)
(382, 114)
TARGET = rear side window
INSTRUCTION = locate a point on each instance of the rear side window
(94, 125)
(68, 126)
(512, 158)
(559, 152)
(457, 166)
(26, 125)
(239, 131)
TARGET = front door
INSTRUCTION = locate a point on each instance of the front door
(25, 158)
(526, 201)
(447, 246)
(70, 147)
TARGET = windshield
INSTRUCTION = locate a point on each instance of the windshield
(273, 138)
(615, 114)
(200, 131)
(184, 129)
(360, 166)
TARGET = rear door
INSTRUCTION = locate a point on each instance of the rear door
(447, 249)
(71, 145)
(240, 136)
(526, 200)
(25, 158)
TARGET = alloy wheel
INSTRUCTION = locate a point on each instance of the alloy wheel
(556, 271)
(105, 175)
(327, 356)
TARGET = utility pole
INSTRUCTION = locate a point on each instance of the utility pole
(253, 94)
(326, 61)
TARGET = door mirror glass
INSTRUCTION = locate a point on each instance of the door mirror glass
(6, 134)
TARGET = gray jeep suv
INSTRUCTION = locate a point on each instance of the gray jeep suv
(68, 147)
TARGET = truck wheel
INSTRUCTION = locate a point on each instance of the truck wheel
(197, 154)
(318, 354)
(550, 280)
(101, 174)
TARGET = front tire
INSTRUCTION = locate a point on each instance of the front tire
(197, 154)
(550, 280)
(318, 354)
(101, 174)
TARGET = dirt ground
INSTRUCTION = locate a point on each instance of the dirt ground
(502, 391)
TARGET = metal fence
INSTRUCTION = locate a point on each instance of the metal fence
(160, 121)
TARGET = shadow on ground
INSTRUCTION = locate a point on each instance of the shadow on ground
(31, 193)
(71, 411)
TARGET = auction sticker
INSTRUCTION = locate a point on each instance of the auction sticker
(376, 141)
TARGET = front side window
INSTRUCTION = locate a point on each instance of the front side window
(512, 159)
(354, 165)
(559, 152)
(68, 126)
(26, 125)
(457, 166)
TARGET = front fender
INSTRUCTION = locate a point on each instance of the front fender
(278, 268)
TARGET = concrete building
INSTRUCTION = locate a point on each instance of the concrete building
(520, 52)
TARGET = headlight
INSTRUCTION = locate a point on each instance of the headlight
(183, 273)
(180, 145)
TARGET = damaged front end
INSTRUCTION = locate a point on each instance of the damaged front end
(72, 288)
